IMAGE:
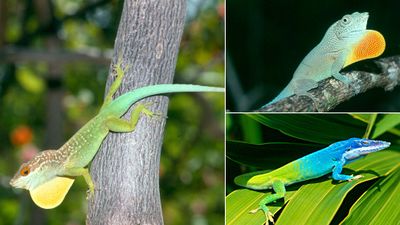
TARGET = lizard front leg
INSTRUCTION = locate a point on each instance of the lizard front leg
(336, 172)
(76, 171)
(279, 187)
(120, 72)
(337, 65)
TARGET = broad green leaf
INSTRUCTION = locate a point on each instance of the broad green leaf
(240, 202)
(324, 129)
(380, 204)
(316, 202)
(388, 122)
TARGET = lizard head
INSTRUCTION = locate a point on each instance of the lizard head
(39, 176)
(34, 172)
(350, 25)
(358, 147)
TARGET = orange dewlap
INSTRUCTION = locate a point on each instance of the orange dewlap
(371, 45)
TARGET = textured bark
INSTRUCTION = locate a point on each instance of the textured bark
(126, 168)
(331, 92)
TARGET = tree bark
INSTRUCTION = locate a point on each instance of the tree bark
(126, 168)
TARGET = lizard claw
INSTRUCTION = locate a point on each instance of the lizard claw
(268, 215)
(254, 211)
(271, 218)
(150, 113)
(355, 177)
(89, 193)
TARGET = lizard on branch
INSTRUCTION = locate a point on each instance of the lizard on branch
(51, 173)
(345, 42)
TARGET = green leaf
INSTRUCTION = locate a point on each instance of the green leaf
(324, 129)
(371, 123)
(380, 204)
(388, 122)
(30, 81)
(240, 202)
(251, 130)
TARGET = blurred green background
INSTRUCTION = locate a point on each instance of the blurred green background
(54, 58)
(258, 142)
(266, 41)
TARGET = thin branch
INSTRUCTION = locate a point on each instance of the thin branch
(332, 92)
(12, 55)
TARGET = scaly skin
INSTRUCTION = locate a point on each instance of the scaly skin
(51, 173)
(330, 159)
(345, 42)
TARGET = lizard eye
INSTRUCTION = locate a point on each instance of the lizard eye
(346, 20)
(365, 142)
(25, 171)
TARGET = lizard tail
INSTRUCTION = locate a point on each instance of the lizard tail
(258, 180)
(286, 92)
(121, 104)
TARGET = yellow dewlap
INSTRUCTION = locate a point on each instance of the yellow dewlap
(371, 45)
(50, 194)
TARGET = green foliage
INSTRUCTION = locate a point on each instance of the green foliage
(318, 201)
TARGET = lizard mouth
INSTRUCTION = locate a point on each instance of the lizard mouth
(17, 184)
(378, 145)
(373, 146)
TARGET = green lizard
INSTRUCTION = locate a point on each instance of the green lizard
(51, 173)
(345, 42)
(330, 159)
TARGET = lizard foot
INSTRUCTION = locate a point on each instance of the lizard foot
(89, 194)
(150, 113)
(355, 177)
(268, 215)
(314, 99)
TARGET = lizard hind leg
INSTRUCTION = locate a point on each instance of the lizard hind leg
(117, 124)
(301, 86)
(279, 187)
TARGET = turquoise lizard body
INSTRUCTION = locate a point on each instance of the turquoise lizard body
(51, 173)
(345, 42)
(327, 160)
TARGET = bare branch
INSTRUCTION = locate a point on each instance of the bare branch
(12, 55)
(332, 92)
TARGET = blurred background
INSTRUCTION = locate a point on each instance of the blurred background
(266, 41)
(54, 62)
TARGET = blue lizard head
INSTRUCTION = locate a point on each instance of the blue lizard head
(357, 147)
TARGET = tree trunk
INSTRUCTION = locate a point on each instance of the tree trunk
(126, 168)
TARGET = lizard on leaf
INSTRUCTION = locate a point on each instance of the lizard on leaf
(317, 164)
(345, 42)
(51, 173)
